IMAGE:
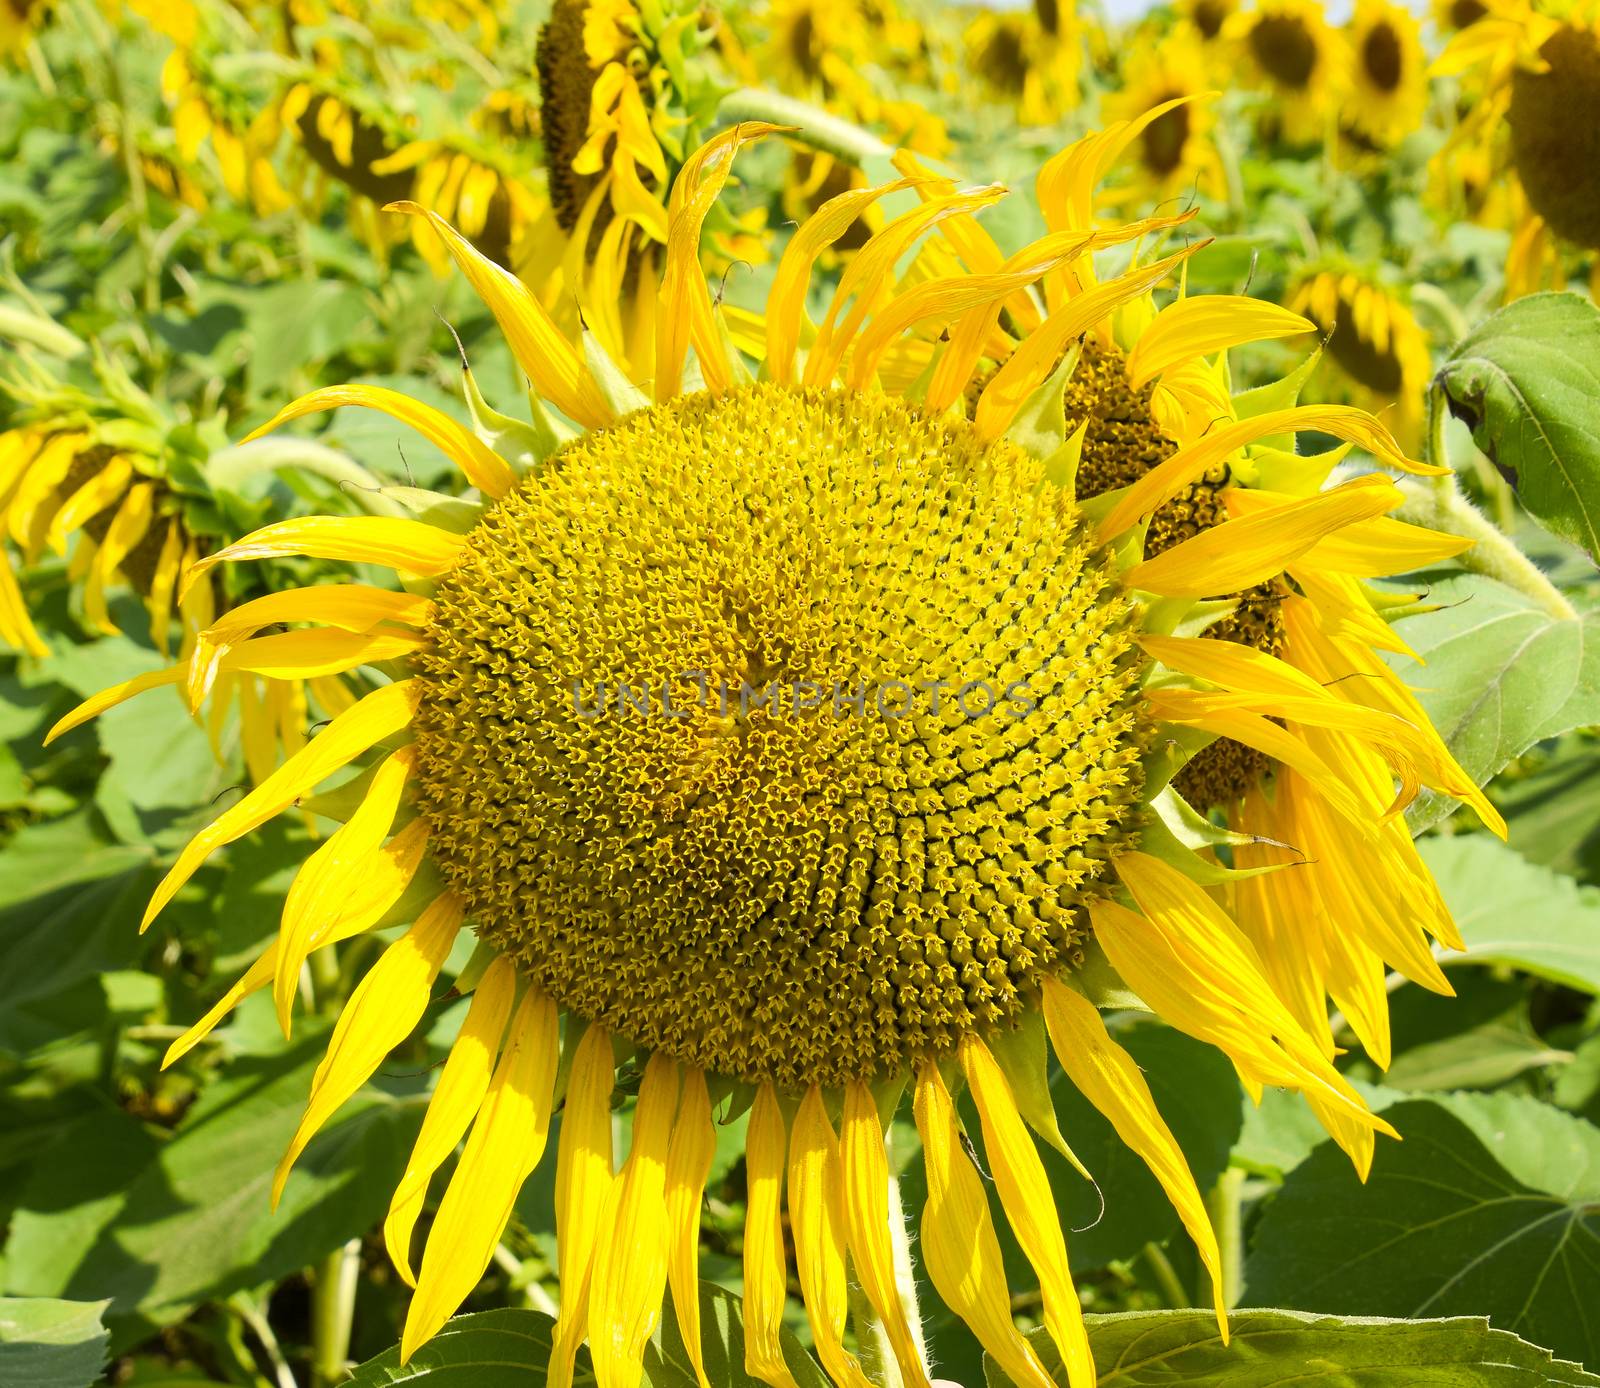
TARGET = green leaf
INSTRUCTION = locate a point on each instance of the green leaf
(1487, 1207)
(1277, 1349)
(162, 1226)
(510, 1349)
(1477, 1059)
(1514, 912)
(1527, 383)
(1553, 813)
(51, 1344)
(1501, 675)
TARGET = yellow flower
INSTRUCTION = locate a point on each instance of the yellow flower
(1030, 57)
(19, 21)
(1451, 15)
(243, 148)
(1297, 61)
(1174, 156)
(731, 740)
(1539, 117)
(1208, 18)
(1373, 341)
(1388, 89)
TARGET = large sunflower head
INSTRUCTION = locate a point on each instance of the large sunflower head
(1297, 61)
(1387, 92)
(1538, 69)
(800, 736)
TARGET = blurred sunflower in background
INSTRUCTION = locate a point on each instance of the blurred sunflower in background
(1297, 61)
(1452, 15)
(1387, 93)
(1538, 118)
(784, 903)
(1208, 18)
(1175, 155)
(1030, 57)
(1372, 340)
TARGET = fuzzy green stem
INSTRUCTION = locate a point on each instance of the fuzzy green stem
(332, 1310)
(1441, 506)
(1166, 1276)
(1225, 1205)
(230, 468)
(818, 128)
(873, 1344)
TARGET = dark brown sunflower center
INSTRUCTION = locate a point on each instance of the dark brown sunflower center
(1121, 443)
(1049, 14)
(1285, 49)
(565, 82)
(1209, 17)
(1004, 60)
(139, 565)
(1382, 58)
(1465, 12)
(1165, 137)
(721, 740)
(1555, 135)
(368, 145)
(1378, 371)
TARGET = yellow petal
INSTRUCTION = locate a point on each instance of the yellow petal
(330, 878)
(1240, 553)
(1107, 1076)
(163, 584)
(765, 1277)
(96, 704)
(552, 363)
(959, 1245)
(257, 976)
(866, 1207)
(16, 627)
(816, 1221)
(583, 1176)
(479, 464)
(105, 487)
(408, 546)
(1030, 1207)
(453, 1105)
(380, 714)
(1207, 323)
(386, 1005)
(505, 1145)
(630, 1263)
(128, 527)
(694, 1143)
(304, 655)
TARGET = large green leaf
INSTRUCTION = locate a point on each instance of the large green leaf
(1501, 675)
(161, 1226)
(1527, 383)
(1511, 911)
(1287, 1349)
(51, 1344)
(1553, 812)
(511, 1348)
(1489, 1206)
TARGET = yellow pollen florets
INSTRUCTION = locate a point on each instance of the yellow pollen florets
(693, 746)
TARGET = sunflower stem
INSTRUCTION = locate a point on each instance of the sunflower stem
(1443, 506)
(228, 469)
(1225, 1205)
(815, 127)
(1166, 1276)
(332, 1310)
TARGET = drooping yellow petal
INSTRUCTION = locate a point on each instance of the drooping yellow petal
(583, 1176)
(304, 655)
(1108, 1077)
(694, 1144)
(380, 1014)
(407, 546)
(786, 300)
(765, 1276)
(1025, 1195)
(257, 976)
(630, 1263)
(1167, 479)
(462, 1085)
(110, 697)
(16, 627)
(1365, 549)
(1038, 353)
(553, 364)
(480, 465)
(163, 584)
(505, 1145)
(816, 1221)
(93, 497)
(1203, 324)
(380, 714)
(1240, 553)
(958, 1239)
(128, 527)
(323, 887)
(866, 1208)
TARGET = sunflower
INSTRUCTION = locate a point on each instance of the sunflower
(1388, 88)
(1297, 61)
(1208, 18)
(1174, 155)
(1539, 114)
(1449, 16)
(20, 20)
(735, 746)
(242, 144)
(1373, 341)
(1029, 57)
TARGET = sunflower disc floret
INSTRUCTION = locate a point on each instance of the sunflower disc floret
(813, 860)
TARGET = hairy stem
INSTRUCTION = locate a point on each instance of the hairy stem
(1167, 1279)
(332, 1310)
(1225, 1205)
(814, 126)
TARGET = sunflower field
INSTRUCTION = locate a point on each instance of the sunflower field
(859, 692)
